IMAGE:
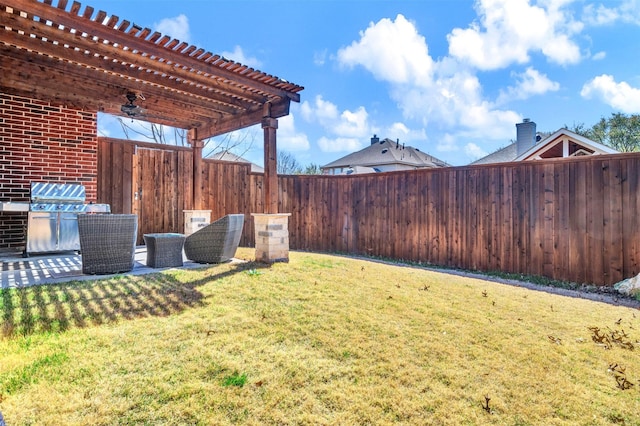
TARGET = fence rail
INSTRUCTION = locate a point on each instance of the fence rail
(572, 219)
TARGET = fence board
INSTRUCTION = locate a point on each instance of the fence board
(631, 218)
(506, 229)
(613, 244)
(548, 211)
(561, 223)
(472, 225)
(578, 214)
(595, 218)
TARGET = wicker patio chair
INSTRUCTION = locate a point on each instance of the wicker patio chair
(107, 242)
(216, 242)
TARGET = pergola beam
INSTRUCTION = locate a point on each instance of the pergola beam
(241, 121)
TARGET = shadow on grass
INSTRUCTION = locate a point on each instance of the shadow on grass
(60, 307)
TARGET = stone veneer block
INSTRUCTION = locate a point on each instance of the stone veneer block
(272, 237)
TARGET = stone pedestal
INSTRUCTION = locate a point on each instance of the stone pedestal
(195, 219)
(272, 237)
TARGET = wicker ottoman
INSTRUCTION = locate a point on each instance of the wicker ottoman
(164, 250)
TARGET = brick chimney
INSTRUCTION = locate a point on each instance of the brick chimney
(526, 135)
(374, 140)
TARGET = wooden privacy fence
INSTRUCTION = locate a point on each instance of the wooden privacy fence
(572, 219)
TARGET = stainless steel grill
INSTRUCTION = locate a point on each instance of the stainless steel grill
(52, 223)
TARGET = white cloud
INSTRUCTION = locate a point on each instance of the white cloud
(177, 28)
(444, 93)
(599, 56)
(399, 128)
(400, 131)
(238, 55)
(288, 138)
(321, 111)
(319, 58)
(339, 144)
(474, 151)
(620, 96)
(509, 29)
(455, 102)
(346, 128)
(392, 51)
(627, 11)
(529, 83)
(447, 143)
(352, 124)
(600, 15)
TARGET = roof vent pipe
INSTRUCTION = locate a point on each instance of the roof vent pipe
(526, 135)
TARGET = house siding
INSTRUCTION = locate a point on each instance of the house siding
(42, 142)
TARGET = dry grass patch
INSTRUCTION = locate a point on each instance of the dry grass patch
(320, 340)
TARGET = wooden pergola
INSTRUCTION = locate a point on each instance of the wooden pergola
(64, 54)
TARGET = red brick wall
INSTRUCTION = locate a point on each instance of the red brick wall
(46, 143)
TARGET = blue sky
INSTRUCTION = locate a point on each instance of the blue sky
(450, 77)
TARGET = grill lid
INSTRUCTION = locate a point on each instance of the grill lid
(45, 192)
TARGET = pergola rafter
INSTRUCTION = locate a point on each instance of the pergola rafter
(78, 51)
(70, 55)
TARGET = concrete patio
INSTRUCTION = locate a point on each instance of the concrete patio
(18, 271)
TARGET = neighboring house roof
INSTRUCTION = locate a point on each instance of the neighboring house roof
(386, 152)
(228, 156)
(550, 147)
(358, 170)
(502, 155)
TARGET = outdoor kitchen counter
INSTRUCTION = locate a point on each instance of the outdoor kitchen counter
(10, 206)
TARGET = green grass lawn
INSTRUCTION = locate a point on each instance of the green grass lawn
(321, 340)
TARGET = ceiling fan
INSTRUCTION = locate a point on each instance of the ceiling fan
(134, 111)
(130, 108)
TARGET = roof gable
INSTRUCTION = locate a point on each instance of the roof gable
(550, 145)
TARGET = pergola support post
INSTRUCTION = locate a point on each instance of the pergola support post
(196, 145)
(271, 227)
(196, 218)
(270, 125)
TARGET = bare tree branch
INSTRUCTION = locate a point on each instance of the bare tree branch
(287, 164)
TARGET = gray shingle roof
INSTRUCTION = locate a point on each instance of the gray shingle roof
(228, 156)
(387, 152)
(503, 155)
